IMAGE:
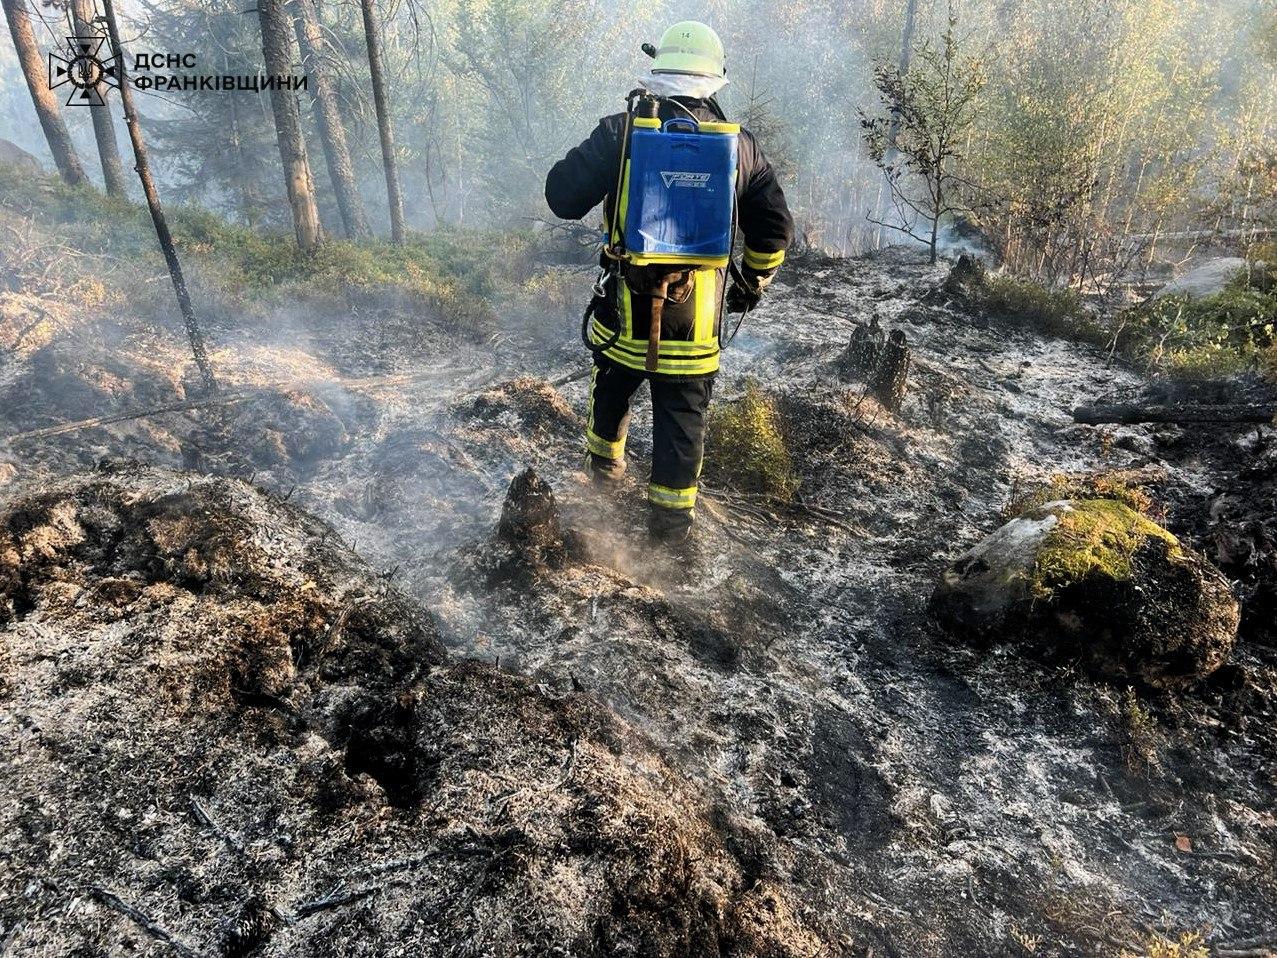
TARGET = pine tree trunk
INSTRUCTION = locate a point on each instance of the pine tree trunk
(277, 52)
(103, 125)
(332, 132)
(373, 35)
(193, 332)
(248, 199)
(44, 99)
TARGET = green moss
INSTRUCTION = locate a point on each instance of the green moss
(1093, 538)
(745, 446)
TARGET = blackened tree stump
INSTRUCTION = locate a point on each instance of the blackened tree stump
(890, 380)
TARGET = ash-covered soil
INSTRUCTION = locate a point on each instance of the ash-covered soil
(775, 750)
(226, 735)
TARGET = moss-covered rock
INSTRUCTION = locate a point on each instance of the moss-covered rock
(1094, 538)
(1095, 581)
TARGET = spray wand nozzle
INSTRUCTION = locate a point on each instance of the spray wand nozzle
(649, 49)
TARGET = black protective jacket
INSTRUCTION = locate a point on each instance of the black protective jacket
(588, 174)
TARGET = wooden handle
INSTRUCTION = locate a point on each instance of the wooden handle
(654, 331)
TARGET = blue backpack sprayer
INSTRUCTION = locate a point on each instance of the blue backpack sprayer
(673, 210)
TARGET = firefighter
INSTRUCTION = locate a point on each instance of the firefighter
(688, 69)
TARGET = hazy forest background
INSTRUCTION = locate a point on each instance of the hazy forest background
(1113, 117)
(1064, 140)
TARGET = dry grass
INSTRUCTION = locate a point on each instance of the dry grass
(1123, 485)
(1188, 944)
(746, 448)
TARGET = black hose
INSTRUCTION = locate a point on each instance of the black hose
(596, 348)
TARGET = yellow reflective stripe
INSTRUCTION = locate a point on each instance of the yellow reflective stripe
(669, 367)
(756, 260)
(672, 498)
(614, 229)
(681, 259)
(677, 348)
(589, 406)
(627, 309)
(603, 447)
(625, 204)
(665, 364)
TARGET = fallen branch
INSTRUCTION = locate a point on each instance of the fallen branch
(571, 377)
(1262, 947)
(226, 399)
(1130, 414)
(793, 507)
(403, 864)
(47, 431)
(827, 516)
(730, 528)
(115, 903)
(206, 820)
(334, 899)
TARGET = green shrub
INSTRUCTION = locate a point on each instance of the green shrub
(1056, 312)
(1211, 336)
(746, 449)
(457, 273)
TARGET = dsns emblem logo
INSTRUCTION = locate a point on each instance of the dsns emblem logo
(696, 181)
(81, 65)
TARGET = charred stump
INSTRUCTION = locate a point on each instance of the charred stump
(863, 351)
(967, 277)
(890, 380)
(530, 519)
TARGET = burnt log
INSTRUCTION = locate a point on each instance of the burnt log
(1131, 414)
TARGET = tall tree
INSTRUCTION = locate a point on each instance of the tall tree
(372, 33)
(193, 332)
(82, 22)
(44, 99)
(277, 51)
(332, 131)
(242, 171)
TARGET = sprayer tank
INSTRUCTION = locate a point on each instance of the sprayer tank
(681, 191)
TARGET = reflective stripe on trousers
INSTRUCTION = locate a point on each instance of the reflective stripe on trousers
(678, 431)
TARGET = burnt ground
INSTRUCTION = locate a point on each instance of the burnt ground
(908, 796)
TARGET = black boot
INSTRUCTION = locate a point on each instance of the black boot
(669, 527)
(606, 473)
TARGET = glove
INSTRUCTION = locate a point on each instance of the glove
(742, 298)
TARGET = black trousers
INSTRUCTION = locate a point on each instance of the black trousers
(679, 405)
